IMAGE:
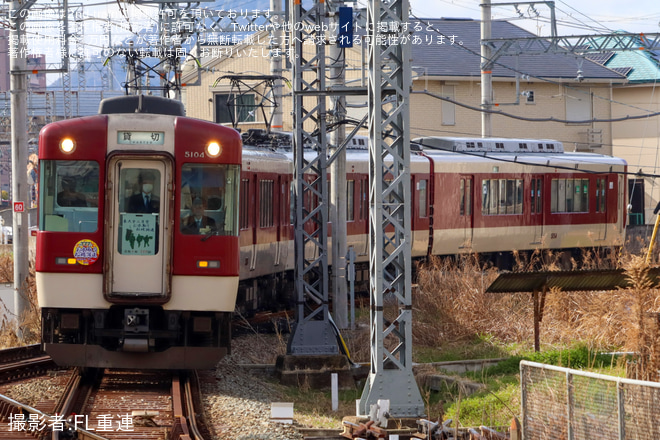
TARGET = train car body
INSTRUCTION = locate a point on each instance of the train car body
(154, 227)
(519, 194)
(124, 279)
(485, 196)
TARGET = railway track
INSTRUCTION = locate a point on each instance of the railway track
(104, 405)
(23, 362)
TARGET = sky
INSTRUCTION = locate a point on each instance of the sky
(573, 17)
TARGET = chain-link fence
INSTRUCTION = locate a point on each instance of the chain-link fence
(560, 403)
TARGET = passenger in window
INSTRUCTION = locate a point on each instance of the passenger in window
(144, 201)
(197, 222)
(69, 196)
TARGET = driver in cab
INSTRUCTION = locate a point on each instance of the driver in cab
(197, 222)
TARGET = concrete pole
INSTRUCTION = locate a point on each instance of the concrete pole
(276, 65)
(19, 157)
(338, 186)
(486, 73)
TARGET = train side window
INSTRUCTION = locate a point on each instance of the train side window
(245, 204)
(519, 197)
(69, 196)
(266, 218)
(569, 195)
(500, 196)
(292, 203)
(364, 199)
(600, 195)
(209, 199)
(350, 200)
(536, 199)
(421, 185)
(468, 197)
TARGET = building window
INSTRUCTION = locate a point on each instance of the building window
(529, 97)
(231, 108)
(448, 108)
(578, 105)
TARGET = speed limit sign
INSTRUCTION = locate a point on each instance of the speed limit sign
(19, 206)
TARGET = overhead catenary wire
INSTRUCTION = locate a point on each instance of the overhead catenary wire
(512, 69)
(527, 119)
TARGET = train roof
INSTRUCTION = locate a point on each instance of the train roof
(494, 145)
(141, 104)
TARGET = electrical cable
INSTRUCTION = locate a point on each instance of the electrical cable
(523, 118)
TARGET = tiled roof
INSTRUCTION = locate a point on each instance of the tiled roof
(639, 66)
(437, 56)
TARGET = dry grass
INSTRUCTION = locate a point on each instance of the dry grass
(451, 305)
(27, 328)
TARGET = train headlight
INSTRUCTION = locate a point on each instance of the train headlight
(67, 145)
(213, 149)
(208, 264)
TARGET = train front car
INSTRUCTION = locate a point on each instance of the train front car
(137, 248)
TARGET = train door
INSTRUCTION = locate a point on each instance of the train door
(636, 201)
(465, 209)
(536, 208)
(606, 203)
(138, 227)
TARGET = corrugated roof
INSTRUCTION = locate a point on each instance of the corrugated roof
(439, 57)
(567, 281)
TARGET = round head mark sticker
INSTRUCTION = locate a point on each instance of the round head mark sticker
(86, 252)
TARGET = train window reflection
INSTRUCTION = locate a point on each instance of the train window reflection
(209, 199)
(69, 196)
(139, 209)
(569, 195)
(502, 196)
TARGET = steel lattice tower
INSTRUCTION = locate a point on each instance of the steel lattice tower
(390, 268)
(313, 333)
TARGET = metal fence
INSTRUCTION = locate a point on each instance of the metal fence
(560, 403)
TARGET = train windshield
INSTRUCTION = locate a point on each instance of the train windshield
(139, 209)
(209, 199)
(69, 196)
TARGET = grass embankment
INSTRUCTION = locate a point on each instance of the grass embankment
(455, 318)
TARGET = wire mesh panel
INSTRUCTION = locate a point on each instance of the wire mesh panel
(594, 408)
(641, 405)
(545, 398)
(559, 403)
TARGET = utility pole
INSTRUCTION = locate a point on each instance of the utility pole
(486, 72)
(19, 153)
(276, 57)
(338, 183)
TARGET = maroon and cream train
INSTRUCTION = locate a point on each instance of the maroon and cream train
(125, 275)
(154, 227)
(489, 196)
